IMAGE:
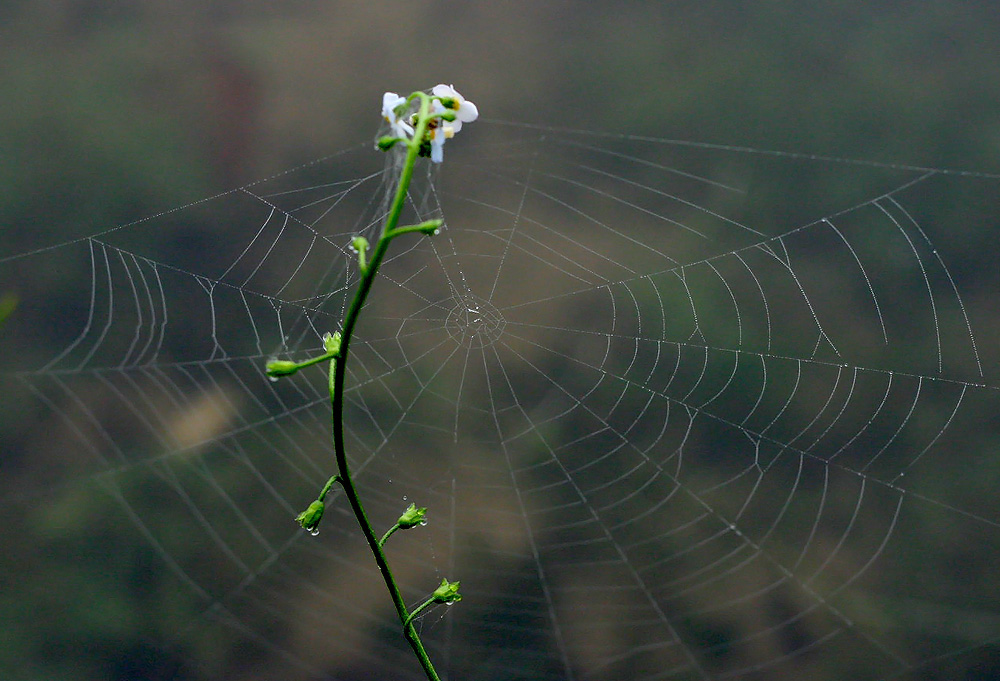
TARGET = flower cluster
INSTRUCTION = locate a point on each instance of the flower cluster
(449, 111)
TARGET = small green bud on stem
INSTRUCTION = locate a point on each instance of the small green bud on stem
(281, 367)
(386, 143)
(309, 518)
(360, 245)
(412, 517)
(431, 227)
(331, 342)
(447, 592)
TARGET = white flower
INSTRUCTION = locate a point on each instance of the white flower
(400, 128)
(438, 132)
(466, 111)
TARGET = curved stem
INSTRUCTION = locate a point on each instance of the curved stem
(428, 227)
(416, 611)
(381, 542)
(327, 486)
(337, 374)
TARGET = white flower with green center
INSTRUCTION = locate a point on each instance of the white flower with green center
(464, 111)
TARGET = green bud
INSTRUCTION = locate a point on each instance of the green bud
(446, 593)
(359, 245)
(281, 367)
(331, 342)
(448, 102)
(309, 518)
(412, 517)
(448, 115)
(431, 227)
(386, 143)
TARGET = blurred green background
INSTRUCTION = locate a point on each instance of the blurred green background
(114, 112)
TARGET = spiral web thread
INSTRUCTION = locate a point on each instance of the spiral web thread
(664, 433)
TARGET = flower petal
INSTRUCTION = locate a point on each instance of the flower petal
(467, 112)
(437, 148)
(442, 90)
(390, 100)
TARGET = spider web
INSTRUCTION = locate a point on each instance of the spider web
(679, 411)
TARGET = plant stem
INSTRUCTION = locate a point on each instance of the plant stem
(315, 360)
(417, 610)
(381, 542)
(327, 486)
(338, 372)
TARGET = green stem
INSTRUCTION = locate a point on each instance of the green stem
(337, 374)
(416, 611)
(428, 227)
(385, 537)
(316, 360)
(327, 486)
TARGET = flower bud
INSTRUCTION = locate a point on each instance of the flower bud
(446, 593)
(412, 517)
(431, 227)
(281, 367)
(309, 518)
(331, 342)
(359, 244)
(386, 143)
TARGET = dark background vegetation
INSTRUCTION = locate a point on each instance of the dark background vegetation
(112, 112)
